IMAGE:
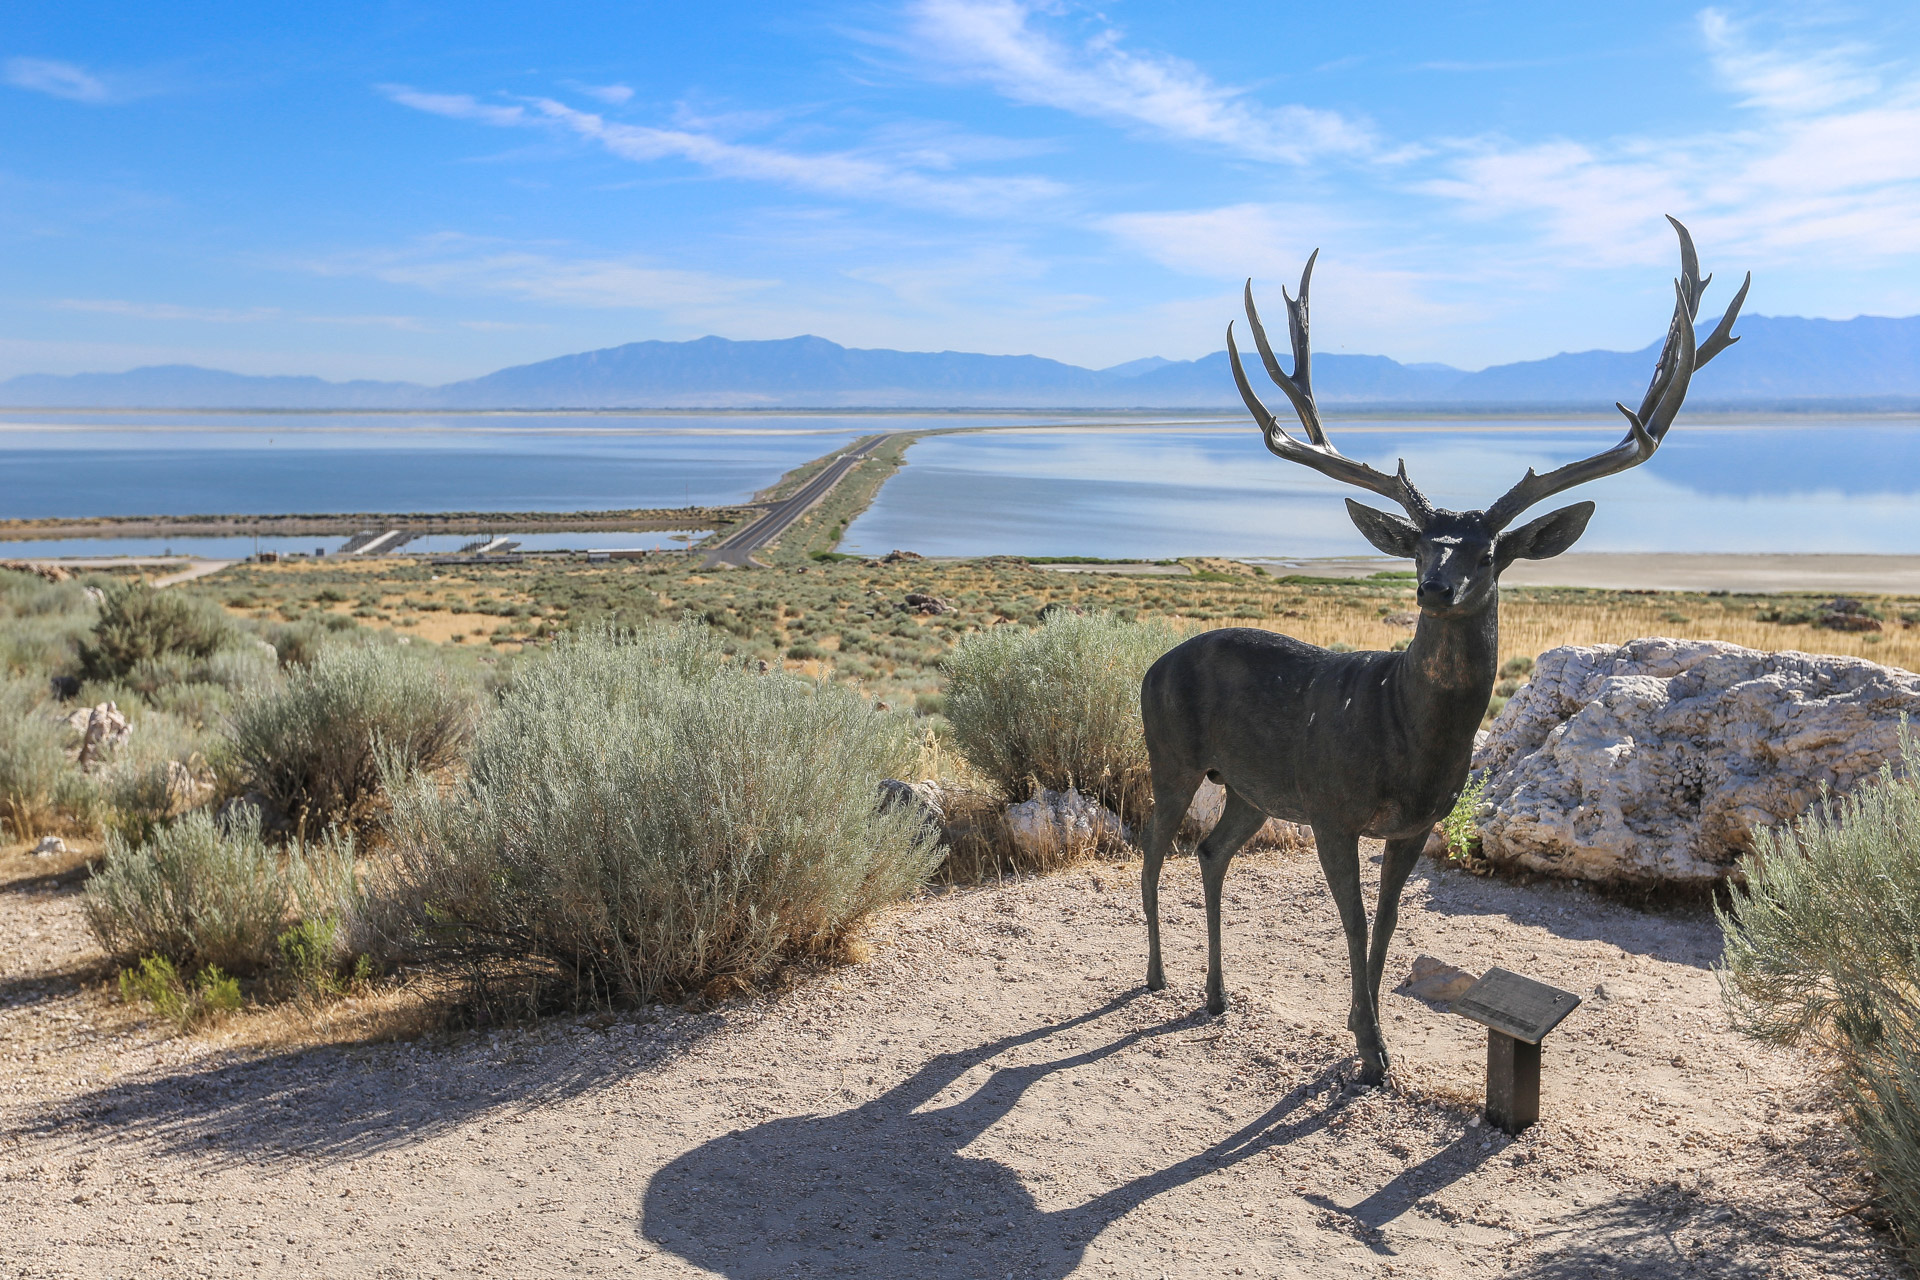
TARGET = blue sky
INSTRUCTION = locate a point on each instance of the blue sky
(434, 191)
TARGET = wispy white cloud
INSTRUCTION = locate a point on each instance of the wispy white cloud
(167, 311)
(1000, 42)
(174, 312)
(457, 106)
(400, 324)
(1832, 165)
(466, 264)
(1355, 293)
(614, 95)
(1795, 81)
(58, 79)
(875, 174)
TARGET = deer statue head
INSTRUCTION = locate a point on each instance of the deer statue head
(1459, 555)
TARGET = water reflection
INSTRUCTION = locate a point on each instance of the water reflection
(1829, 485)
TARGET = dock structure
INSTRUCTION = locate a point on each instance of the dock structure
(370, 543)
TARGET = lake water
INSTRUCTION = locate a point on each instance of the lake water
(1139, 487)
(1803, 484)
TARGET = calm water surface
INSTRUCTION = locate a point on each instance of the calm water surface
(1140, 487)
(1805, 484)
(185, 464)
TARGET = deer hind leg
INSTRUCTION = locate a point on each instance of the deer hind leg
(1340, 863)
(1401, 857)
(1171, 796)
(1238, 821)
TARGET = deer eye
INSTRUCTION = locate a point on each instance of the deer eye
(1486, 558)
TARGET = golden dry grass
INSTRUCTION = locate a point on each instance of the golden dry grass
(1533, 620)
(844, 619)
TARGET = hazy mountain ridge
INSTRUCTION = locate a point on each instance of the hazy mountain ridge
(1781, 359)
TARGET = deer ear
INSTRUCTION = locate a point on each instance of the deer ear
(1547, 537)
(1393, 535)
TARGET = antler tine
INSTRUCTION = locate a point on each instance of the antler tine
(1320, 453)
(1672, 375)
(1298, 386)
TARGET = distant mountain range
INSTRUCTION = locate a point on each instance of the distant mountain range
(1782, 360)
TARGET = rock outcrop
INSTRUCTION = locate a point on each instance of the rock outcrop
(100, 728)
(1654, 761)
(922, 796)
(1056, 821)
(1210, 801)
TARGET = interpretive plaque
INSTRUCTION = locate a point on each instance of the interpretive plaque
(1517, 1013)
(1514, 1005)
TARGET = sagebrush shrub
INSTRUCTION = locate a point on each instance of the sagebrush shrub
(198, 895)
(138, 624)
(651, 817)
(41, 624)
(161, 772)
(313, 748)
(1056, 706)
(1823, 951)
(40, 786)
(155, 982)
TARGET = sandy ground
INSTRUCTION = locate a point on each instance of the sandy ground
(990, 1094)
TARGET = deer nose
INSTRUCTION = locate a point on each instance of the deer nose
(1435, 591)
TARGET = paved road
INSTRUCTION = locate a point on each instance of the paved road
(737, 548)
(187, 568)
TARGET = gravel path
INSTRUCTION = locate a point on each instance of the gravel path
(991, 1094)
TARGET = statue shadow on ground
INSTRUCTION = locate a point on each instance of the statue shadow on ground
(1648, 1237)
(1678, 932)
(343, 1103)
(883, 1189)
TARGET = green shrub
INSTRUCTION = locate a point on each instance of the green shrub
(311, 955)
(1462, 825)
(155, 982)
(160, 773)
(299, 643)
(40, 786)
(1057, 705)
(41, 625)
(139, 624)
(312, 750)
(1823, 951)
(197, 895)
(652, 818)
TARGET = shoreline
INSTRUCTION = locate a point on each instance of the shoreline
(1734, 573)
(1741, 573)
(639, 520)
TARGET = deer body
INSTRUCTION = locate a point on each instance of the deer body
(1366, 744)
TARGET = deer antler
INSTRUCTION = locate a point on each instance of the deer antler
(1319, 452)
(1679, 359)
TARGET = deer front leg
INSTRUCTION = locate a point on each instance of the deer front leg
(1340, 862)
(1238, 821)
(1170, 801)
(1401, 857)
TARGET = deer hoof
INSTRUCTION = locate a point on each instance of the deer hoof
(1374, 1064)
(1156, 980)
(1216, 1005)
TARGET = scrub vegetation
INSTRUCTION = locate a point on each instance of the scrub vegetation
(1821, 954)
(479, 731)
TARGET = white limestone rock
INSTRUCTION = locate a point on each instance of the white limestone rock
(1210, 801)
(1654, 761)
(1060, 820)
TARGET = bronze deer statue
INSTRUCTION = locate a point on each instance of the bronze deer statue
(1368, 744)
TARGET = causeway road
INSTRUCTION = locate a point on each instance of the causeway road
(737, 548)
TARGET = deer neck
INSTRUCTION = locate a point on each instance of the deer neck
(1449, 668)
